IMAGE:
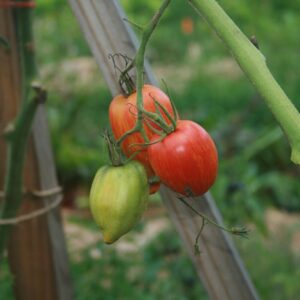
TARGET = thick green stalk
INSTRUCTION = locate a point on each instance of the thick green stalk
(253, 64)
(18, 132)
(17, 138)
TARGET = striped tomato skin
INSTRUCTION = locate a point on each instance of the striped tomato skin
(123, 116)
(118, 198)
(186, 160)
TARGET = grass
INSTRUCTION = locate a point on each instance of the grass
(162, 269)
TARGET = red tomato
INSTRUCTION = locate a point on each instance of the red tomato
(186, 160)
(154, 187)
(123, 115)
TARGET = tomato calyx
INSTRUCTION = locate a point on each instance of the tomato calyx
(161, 122)
(114, 151)
(158, 118)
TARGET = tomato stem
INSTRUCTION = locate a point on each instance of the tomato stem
(174, 110)
(157, 131)
(137, 26)
(196, 245)
(172, 120)
(253, 63)
(240, 231)
(131, 157)
(114, 151)
(150, 143)
(158, 120)
(138, 62)
(32, 95)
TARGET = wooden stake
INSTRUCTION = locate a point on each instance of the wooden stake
(37, 252)
(220, 266)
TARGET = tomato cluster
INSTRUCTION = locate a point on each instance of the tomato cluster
(178, 152)
(186, 160)
(123, 115)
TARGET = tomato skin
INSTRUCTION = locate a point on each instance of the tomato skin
(154, 187)
(118, 197)
(186, 159)
(123, 115)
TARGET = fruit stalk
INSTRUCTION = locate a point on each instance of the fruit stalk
(139, 64)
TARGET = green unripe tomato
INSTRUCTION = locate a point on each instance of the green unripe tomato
(118, 198)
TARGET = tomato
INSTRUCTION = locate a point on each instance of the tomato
(118, 197)
(154, 187)
(186, 160)
(123, 115)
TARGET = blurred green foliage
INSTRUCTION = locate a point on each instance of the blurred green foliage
(159, 271)
(206, 85)
(6, 282)
(162, 270)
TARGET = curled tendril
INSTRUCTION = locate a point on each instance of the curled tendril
(122, 65)
(126, 60)
(131, 107)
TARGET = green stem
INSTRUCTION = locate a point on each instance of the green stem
(168, 115)
(150, 143)
(196, 245)
(253, 64)
(18, 135)
(151, 127)
(174, 110)
(114, 152)
(139, 64)
(155, 118)
(241, 231)
(137, 26)
(140, 57)
(17, 138)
